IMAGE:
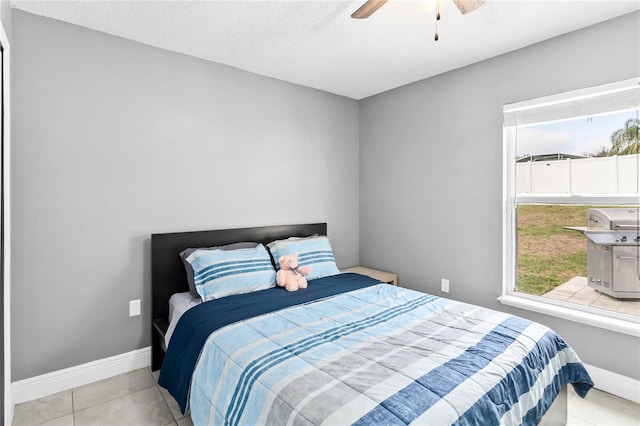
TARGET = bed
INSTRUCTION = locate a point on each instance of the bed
(349, 350)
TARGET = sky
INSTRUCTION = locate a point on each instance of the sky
(575, 136)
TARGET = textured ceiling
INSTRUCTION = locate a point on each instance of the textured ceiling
(317, 44)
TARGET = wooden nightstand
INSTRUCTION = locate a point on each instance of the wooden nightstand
(385, 277)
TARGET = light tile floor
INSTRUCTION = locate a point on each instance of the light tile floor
(136, 399)
(601, 409)
(577, 291)
(128, 399)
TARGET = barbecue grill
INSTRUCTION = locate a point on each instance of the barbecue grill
(613, 251)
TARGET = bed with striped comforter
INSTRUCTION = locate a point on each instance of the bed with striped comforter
(375, 355)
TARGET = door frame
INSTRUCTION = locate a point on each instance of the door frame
(6, 414)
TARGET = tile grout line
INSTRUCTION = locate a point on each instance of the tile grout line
(580, 419)
(73, 408)
(57, 417)
(125, 396)
(164, 399)
(107, 400)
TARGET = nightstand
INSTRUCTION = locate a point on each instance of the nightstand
(385, 277)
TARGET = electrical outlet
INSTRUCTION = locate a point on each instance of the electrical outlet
(134, 308)
(444, 285)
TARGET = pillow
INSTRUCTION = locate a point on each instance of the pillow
(312, 251)
(222, 272)
(187, 266)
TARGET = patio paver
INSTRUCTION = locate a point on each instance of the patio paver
(577, 291)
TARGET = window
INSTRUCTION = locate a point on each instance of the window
(566, 157)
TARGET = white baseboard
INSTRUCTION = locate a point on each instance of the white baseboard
(615, 384)
(58, 381)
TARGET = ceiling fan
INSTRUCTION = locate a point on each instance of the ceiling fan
(370, 6)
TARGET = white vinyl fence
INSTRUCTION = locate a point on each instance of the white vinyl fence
(593, 176)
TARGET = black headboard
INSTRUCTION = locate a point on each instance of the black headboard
(167, 271)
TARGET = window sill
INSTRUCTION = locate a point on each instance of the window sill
(614, 324)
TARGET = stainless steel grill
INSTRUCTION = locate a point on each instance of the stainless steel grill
(613, 251)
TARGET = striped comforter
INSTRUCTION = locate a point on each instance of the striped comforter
(382, 355)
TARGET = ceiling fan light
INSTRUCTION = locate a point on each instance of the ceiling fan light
(428, 6)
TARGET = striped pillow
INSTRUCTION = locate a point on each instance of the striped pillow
(184, 254)
(312, 251)
(220, 273)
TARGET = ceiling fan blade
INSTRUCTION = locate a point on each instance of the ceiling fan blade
(368, 8)
(466, 6)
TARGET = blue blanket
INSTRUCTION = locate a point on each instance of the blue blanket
(199, 322)
(349, 350)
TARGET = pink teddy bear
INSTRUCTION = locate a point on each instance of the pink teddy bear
(290, 276)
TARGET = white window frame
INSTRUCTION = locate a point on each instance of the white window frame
(536, 111)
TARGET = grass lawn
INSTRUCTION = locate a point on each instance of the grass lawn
(548, 254)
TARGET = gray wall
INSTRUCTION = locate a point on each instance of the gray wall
(114, 140)
(431, 172)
